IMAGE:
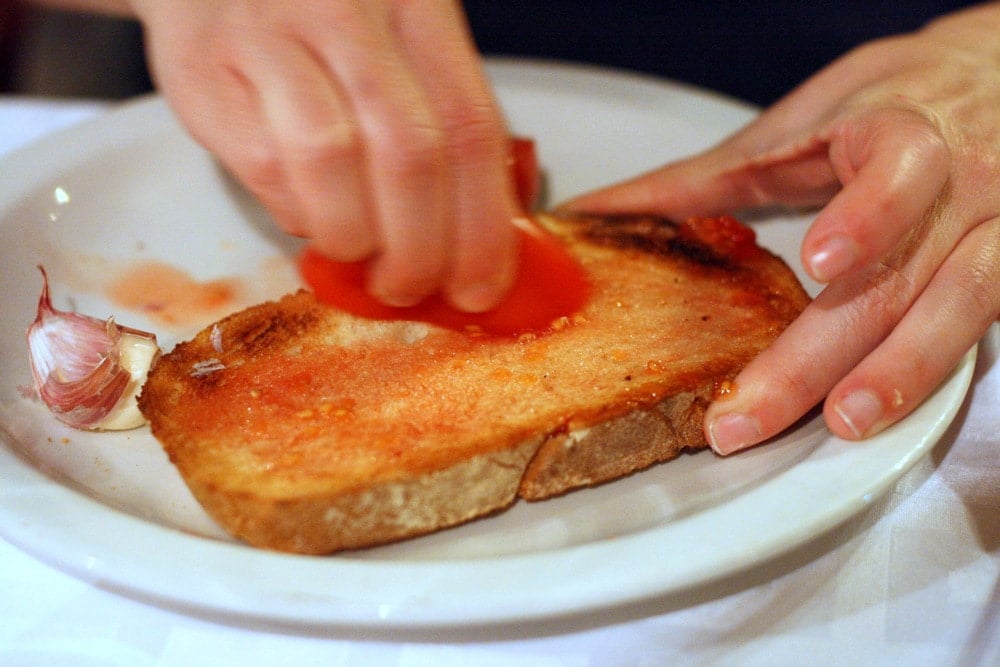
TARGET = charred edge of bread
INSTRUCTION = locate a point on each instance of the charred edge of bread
(650, 234)
(658, 236)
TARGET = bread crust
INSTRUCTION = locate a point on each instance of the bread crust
(300, 428)
(617, 447)
(384, 512)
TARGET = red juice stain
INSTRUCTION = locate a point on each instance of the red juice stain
(170, 295)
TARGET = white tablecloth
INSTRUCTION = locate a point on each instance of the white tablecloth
(914, 580)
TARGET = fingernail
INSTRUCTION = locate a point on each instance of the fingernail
(486, 293)
(835, 256)
(397, 300)
(860, 410)
(733, 432)
(476, 298)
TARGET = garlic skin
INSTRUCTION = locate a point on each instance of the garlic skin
(87, 371)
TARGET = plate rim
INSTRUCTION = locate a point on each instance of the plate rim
(431, 593)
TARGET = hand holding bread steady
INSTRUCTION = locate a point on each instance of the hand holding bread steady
(367, 127)
(899, 142)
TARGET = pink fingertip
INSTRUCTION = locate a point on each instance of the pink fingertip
(732, 432)
(835, 256)
(859, 410)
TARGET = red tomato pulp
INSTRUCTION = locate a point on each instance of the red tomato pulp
(549, 285)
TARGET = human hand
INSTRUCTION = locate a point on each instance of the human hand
(899, 141)
(367, 127)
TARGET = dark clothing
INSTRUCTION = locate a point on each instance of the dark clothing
(756, 51)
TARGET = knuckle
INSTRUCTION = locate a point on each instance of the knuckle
(926, 138)
(978, 289)
(930, 150)
(798, 380)
(889, 291)
(870, 305)
(346, 247)
(333, 142)
(475, 130)
(485, 253)
(979, 169)
(260, 168)
(926, 152)
(403, 277)
(412, 150)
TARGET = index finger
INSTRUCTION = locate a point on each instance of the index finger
(403, 139)
(723, 179)
(436, 38)
(894, 164)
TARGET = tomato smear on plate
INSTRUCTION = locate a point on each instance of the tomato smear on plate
(550, 284)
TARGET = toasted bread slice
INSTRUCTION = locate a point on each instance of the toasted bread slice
(301, 428)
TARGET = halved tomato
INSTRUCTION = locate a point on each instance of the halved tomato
(550, 283)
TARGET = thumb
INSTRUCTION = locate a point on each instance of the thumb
(723, 179)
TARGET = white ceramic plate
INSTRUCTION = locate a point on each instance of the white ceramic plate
(130, 190)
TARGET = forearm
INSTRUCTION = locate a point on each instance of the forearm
(976, 26)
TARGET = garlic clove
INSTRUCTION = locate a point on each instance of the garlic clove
(87, 371)
(136, 354)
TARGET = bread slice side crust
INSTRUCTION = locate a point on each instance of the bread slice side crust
(617, 447)
(384, 512)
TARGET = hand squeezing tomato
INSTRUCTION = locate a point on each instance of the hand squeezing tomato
(549, 285)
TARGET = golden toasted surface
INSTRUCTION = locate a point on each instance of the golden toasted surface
(298, 406)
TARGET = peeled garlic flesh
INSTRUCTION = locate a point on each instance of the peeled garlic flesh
(88, 371)
(136, 355)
